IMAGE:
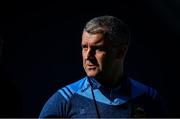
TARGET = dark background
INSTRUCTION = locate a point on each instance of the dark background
(40, 48)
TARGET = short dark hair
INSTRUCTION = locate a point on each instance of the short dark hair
(115, 30)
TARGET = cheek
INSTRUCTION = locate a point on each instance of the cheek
(83, 60)
(107, 61)
(83, 56)
(101, 59)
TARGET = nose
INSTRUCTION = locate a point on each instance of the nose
(90, 54)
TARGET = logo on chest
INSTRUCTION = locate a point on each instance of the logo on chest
(82, 111)
(139, 110)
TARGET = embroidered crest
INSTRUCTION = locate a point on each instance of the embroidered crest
(82, 111)
(139, 110)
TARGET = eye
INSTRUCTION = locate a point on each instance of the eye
(100, 48)
(84, 47)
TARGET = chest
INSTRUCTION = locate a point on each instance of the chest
(83, 107)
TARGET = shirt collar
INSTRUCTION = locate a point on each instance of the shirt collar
(124, 87)
(94, 83)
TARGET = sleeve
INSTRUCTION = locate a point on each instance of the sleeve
(161, 107)
(157, 105)
(149, 105)
(54, 107)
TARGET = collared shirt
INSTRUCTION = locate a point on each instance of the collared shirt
(87, 98)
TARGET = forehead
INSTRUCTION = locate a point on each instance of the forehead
(92, 38)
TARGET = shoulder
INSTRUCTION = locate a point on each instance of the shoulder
(69, 90)
(138, 89)
(57, 103)
(150, 97)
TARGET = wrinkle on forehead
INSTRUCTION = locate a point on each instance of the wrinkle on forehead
(92, 38)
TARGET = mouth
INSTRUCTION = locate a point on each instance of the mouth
(91, 66)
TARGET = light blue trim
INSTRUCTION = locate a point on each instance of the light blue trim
(77, 86)
(83, 88)
(67, 91)
(137, 88)
(63, 94)
(101, 98)
(152, 92)
(86, 92)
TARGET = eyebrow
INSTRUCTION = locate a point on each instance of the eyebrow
(96, 45)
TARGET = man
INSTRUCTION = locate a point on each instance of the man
(106, 91)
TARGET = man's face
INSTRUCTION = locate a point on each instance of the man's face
(97, 59)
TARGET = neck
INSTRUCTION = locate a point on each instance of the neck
(112, 81)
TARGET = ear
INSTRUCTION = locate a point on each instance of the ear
(121, 52)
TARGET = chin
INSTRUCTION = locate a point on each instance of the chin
(91, 74)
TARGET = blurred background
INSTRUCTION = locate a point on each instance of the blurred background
(40, 48)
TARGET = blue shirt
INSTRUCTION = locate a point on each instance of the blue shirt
(87, 98)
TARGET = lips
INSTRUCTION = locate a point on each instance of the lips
(91, 66)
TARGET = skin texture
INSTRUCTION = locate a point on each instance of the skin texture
(100, 60)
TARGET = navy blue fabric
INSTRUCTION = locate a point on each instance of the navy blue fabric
(130, 99)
